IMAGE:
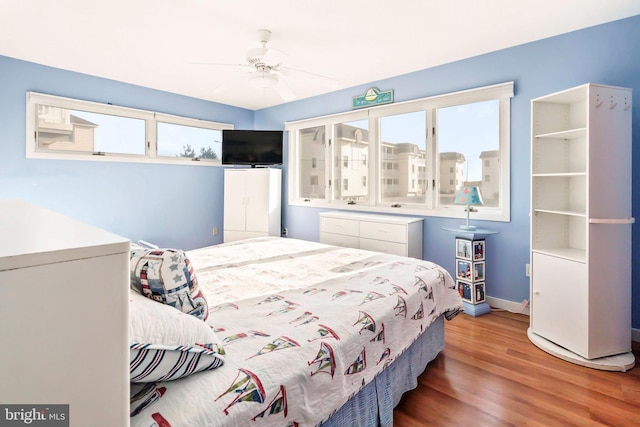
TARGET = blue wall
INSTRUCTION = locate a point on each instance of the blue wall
(179, 205)
(172, 205)
(606, 54)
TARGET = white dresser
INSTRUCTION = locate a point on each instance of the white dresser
(399, 235)
(64, 287)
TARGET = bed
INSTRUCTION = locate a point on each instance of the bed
(290, 333)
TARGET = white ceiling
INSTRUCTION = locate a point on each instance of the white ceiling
(157, 43)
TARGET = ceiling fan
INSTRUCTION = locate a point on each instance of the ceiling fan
(267, 72)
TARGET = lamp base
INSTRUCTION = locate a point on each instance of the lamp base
(468, 227)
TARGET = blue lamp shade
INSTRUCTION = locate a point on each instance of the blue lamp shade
(469, 196)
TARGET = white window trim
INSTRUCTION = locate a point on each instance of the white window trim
(151, 119)
(502, 91)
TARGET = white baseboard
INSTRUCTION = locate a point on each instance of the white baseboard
(511, 306)
(515, 307)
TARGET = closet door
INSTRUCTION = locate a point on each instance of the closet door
(235, 200)
(257, 200)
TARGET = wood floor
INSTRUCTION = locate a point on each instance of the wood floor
(489, 374)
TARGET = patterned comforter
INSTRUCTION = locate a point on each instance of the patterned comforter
(304, 326)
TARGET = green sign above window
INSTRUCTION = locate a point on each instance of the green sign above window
(372, 96)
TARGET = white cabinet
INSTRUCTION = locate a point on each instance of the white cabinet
(64, 317)
(399, 235)
(252, 203)
(581, 224)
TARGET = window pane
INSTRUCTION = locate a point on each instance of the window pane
(81, 131)
(188, 141)
(403, 158)
(469, 146)
(311, 161)
(351, 149)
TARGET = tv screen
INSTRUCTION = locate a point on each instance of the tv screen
(252, 147)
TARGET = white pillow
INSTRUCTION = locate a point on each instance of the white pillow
(166, 344)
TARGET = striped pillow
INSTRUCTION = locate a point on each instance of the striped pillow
(166, 344)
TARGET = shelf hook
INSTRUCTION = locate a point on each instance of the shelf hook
(598, 100)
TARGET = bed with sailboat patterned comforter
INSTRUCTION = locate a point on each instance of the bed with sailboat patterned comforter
(303, 327)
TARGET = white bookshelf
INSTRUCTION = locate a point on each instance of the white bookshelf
(580, 225)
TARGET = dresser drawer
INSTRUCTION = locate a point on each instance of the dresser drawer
(398, 235)
(348, 227)
(383, 246)
(339, 240)
(384, 231)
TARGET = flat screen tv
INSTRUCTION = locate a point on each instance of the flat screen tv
(252, 147)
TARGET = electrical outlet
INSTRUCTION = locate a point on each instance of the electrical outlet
(527, 270)
(285, 232)
(215, 231)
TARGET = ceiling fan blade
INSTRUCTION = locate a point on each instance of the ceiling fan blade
(245, 67)
(284, 91)
(234, 82)
(273, 56)
(327, 81)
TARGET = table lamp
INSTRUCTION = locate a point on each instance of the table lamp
(469, 196)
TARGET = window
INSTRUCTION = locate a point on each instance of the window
(403, 136)
(351, 142)
(176, 140)
(68, 130)
(310, 160)
(74, 129)
(466, 134)
(415, 154)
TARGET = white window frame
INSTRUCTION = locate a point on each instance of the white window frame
(502, 92)
(151, 120)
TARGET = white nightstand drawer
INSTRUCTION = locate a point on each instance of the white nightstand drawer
(339, 240)
(347, 227)
(383, 231)
(383, 246)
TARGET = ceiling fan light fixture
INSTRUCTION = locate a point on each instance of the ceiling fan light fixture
(264, 80)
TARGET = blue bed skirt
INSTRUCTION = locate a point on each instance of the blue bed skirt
(373, 405)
